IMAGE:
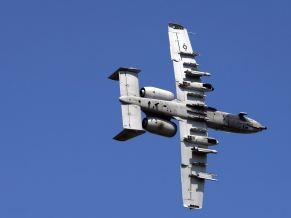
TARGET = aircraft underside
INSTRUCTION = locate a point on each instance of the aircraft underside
(188, 108)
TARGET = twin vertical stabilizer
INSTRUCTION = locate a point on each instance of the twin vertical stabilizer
(131, 114)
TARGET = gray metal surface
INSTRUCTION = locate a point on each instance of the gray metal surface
(185, 66)
(127, 134)
(131, 113)
(189, 109)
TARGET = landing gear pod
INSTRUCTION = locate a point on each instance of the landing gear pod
(159, 126)
(201, 139)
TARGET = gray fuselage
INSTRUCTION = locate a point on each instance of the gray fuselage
(175, 109)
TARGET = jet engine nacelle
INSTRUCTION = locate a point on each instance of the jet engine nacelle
(155, 93)
(159, 126)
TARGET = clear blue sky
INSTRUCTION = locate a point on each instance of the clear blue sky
(59, 111)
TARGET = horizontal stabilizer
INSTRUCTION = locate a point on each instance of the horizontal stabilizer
(128, 134)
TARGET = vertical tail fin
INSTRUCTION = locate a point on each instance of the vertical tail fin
(128, 81)
(131, 116)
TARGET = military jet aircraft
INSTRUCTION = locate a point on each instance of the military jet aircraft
(189, 108)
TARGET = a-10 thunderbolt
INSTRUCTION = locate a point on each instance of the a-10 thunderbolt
(189, 109)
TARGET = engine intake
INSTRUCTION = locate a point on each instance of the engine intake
(156, 93)
(159, 126)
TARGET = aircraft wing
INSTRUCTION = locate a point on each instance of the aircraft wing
(193, 133)
(185, 66)
(194, 162)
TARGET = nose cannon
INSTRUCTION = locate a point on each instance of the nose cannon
(256, 125)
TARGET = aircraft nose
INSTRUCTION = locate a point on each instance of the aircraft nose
(257, 125)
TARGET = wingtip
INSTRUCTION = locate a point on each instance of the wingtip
(191, 207)
(176, 26)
